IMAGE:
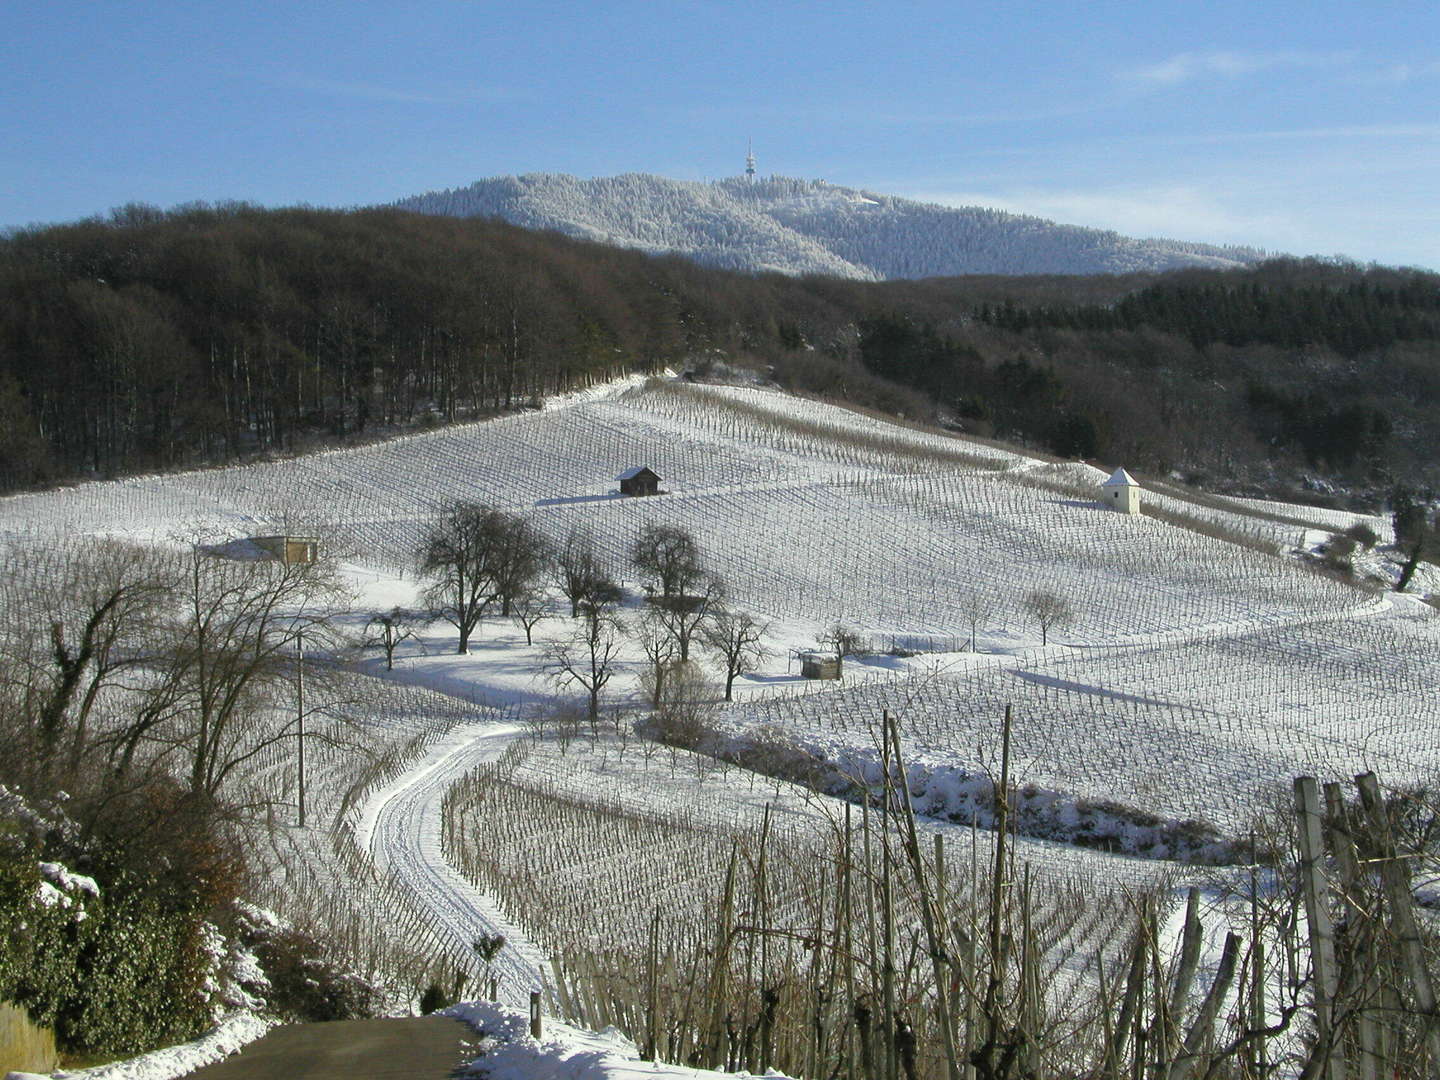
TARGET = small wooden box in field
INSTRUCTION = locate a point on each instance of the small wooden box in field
(290, 549)
(24, 1046)
(819, 666)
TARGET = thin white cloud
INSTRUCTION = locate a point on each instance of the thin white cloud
(1246, 211)
(373, 92)
(1176, 211)
(869, 115)
(1192, 66)
(1405, 73)
(1349, 131)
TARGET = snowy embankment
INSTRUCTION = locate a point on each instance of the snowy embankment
(562, 1052)
(224, 1039)
(400, 827)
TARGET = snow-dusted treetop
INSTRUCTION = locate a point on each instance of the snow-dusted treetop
(810, 227)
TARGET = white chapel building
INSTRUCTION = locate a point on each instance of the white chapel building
(1121, 493)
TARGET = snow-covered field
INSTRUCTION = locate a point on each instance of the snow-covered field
(1194, 675)
(1251, 666)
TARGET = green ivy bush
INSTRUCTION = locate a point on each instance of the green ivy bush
(146, 977)
(120, 972)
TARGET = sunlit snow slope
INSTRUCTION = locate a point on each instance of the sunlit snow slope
(1193, 670)
(810, 227)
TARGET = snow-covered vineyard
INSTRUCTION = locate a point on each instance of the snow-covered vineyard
(1203, 666)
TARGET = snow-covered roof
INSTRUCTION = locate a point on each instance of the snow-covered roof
(630, 474)
(1121, 478)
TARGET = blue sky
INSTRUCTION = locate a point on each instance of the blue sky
(1302, 127)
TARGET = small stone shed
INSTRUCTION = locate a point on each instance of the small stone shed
(819, 666)
(641, 481)
(1121, 492)
(290, 549)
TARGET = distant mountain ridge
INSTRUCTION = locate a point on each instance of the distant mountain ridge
(811, 227)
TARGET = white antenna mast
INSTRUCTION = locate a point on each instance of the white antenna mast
(750, 160)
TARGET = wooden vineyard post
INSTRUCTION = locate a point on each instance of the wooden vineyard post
(1131, 1005)
(929, 911)
(1257, 1057)
(1317, 919)
(1190, 941)
(864, 1017)
(535, 1014)
(652, 1035)
(1360, 933)
(1203, 1026)
(961, 964)
(1152, 1041)
(1027, 1007)
(715, 1048)
(1396, 879)
(768, 997)
(887, 913)
(991, 1008)
(847, 865)
(300, 723)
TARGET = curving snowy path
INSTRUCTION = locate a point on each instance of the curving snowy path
(400, 827)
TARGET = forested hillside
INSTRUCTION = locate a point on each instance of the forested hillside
(810, 227)
(1331, 364)
(152, 340)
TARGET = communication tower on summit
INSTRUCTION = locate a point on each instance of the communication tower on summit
(750, 161)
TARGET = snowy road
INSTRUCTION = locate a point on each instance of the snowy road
(400, 826)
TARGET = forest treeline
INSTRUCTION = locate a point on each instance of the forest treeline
(206, 334)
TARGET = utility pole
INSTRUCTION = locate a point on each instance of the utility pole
(300, 716)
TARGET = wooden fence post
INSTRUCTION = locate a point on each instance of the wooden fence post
(1363, 958)
(1396, 878)
(1317, 919)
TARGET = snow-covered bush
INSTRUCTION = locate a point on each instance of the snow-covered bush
(115, 960)
(113, 969)
(296, 976)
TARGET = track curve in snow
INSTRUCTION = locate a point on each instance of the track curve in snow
(400, 826)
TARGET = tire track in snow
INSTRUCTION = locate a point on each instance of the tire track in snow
(401, 827)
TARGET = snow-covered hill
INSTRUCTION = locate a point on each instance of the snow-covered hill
(1200, 668)
(812, 515)
(811, 227)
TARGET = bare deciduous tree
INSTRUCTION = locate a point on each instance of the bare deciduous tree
(581, 578)
(528, 609)
(387, 630)
(521, 554)
(687, 704)
(588, 658)
(475, 555)
(98, 599)
(1050, 610)
(738, 640)
(683, 615)
(669, 554)
(235, 647)
(658, 644)
(844, 640)
(978, 608)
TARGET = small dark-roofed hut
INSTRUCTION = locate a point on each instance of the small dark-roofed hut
(641, 481)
